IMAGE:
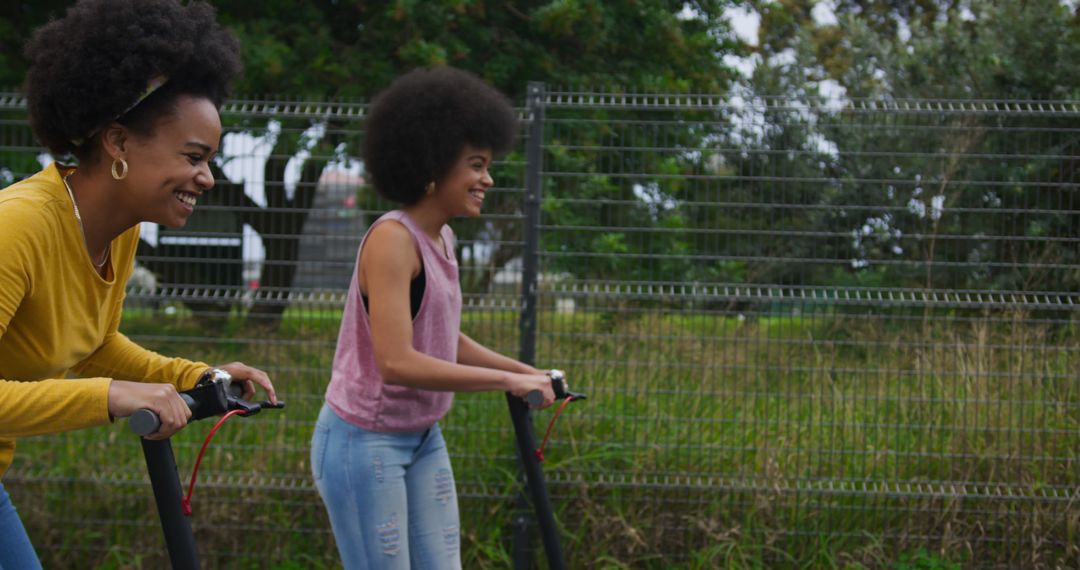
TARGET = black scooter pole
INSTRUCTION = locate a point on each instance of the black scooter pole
(165, 480)
(215, 394)
(549, 531)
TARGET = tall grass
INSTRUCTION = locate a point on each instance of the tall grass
(823, 439)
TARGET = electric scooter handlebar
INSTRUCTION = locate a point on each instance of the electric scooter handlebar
(558, 384)
(214, 395)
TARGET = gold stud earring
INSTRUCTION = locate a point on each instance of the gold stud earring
(122, 174)
(430, 188)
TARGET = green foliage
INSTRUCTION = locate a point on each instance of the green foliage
(827, 408)
(985, 49)
(328, 49)
(350, 49)
(325, 48)
(916, 205)
(882, 49)
(922, 560)
(17, 20)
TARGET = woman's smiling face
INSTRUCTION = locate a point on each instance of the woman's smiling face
(462, 190)
(170, 169)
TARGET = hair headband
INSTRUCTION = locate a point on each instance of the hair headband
(153, 85)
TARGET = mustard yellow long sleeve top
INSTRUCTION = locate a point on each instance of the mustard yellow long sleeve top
(58, 315)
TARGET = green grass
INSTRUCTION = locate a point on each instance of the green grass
(706, 442)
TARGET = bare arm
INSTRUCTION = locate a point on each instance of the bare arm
(475, 354)
(388, 263)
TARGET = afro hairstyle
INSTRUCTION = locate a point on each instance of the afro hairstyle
(90, 67)
(417, 128)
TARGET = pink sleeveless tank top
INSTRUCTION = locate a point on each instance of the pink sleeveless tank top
(357, 392)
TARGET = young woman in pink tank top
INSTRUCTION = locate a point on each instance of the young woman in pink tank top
(379, 460)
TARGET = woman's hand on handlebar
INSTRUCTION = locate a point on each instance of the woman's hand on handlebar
(522, 384)
(250, 376)
(125, 398)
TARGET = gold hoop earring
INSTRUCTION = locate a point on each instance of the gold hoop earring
(430, 188)
(123, 169)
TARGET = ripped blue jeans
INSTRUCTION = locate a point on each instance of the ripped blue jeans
(390, 496)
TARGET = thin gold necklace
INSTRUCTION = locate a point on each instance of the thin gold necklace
(108, 248)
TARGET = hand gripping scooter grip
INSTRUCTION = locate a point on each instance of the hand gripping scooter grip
(208, 398)
(535, 398)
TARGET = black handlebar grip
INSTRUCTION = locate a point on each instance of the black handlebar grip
(535, 398)
(145, 422)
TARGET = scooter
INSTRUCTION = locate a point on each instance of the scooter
(532, 456)
(215, 394)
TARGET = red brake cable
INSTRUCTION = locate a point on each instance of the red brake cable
(185, 503)
(540, 450)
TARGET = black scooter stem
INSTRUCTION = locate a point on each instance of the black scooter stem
(164, 478)
(549, 530)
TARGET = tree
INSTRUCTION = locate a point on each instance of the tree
(889, 51)
(353, 49)
(333, 49)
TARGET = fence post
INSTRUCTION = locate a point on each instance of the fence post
(519, 412)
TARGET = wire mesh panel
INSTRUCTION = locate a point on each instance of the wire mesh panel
(815, 333)
(260, 275)
(810, 335)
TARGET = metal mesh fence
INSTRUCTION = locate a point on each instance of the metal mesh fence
(811, 334)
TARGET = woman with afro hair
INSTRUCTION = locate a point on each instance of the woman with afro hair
(377, 455)
(130, 90)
